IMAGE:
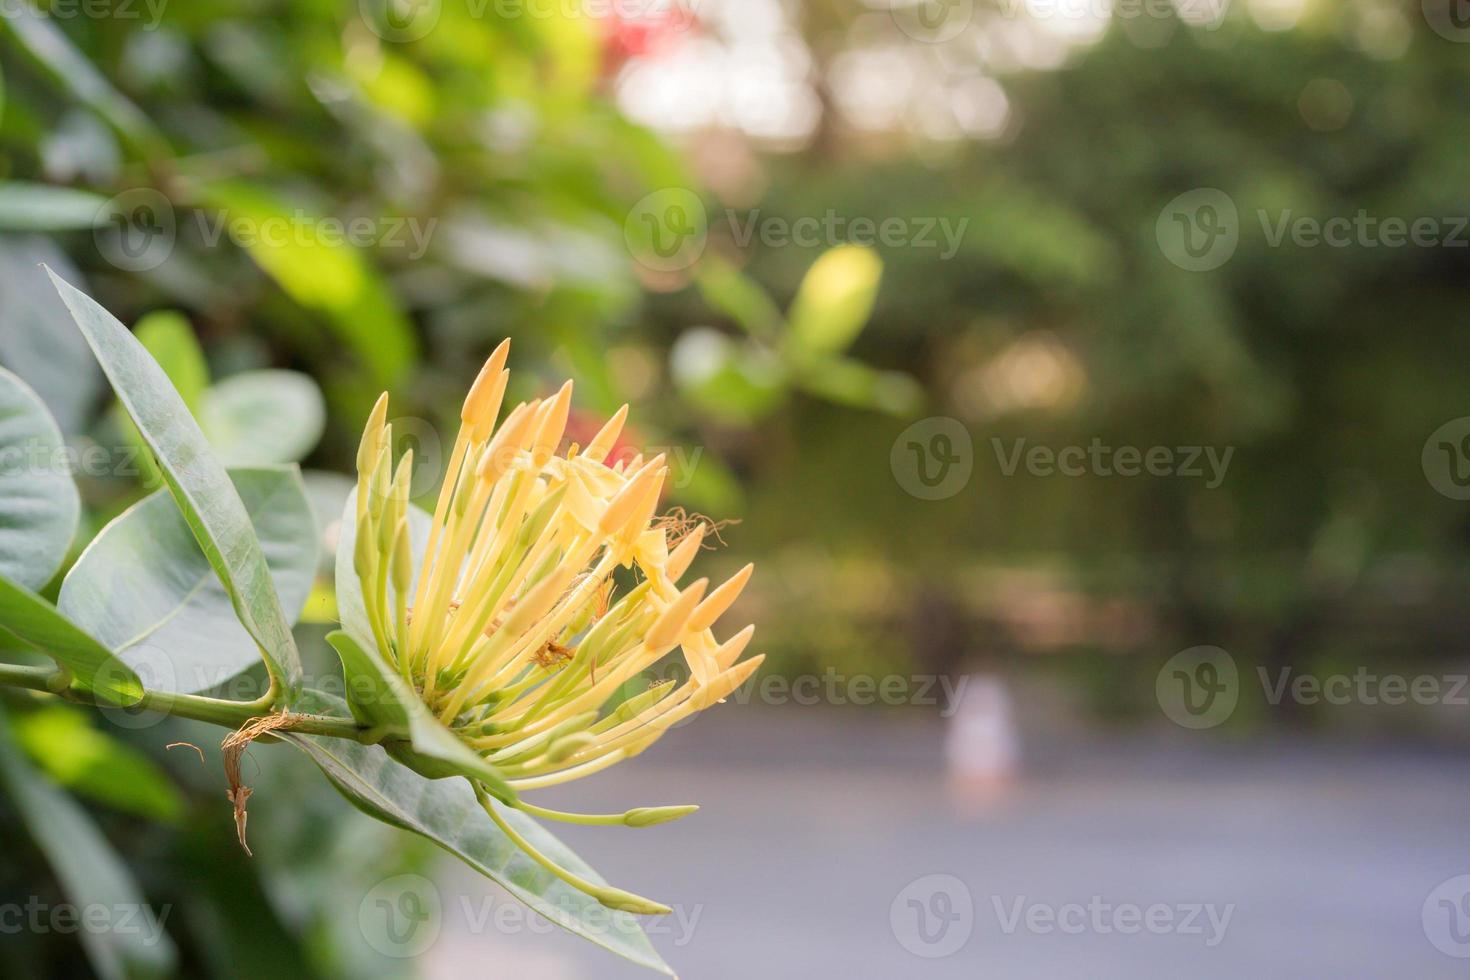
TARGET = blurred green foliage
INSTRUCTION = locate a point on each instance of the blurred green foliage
(1059, 320)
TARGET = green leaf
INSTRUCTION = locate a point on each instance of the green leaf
(739, 297)
(850, 382)
(833, 303)
(56, 362)
(44, 207)
(169, 338)
(40, 624)
(39, 506)
(380, 697)
(90, 872)
(145, 588)
(447, 813)
(167, 335)
(323, 274)
(264, 417)
(63, 743)
(732, 380)
(53, 51)
(199, 484)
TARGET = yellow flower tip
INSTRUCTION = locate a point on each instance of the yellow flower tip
(725, 684)
(720, 600)
(606, 437)
(731, 649)
(649, 816)
(553, 426)
(367, 449)
(628, 500)
(670, 624)
(484, 387)
(482, 407)
(683, 554)
(501, 453)
(403, 476)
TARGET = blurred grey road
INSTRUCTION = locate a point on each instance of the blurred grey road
(816, 825)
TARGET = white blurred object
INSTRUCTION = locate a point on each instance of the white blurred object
(982, 747)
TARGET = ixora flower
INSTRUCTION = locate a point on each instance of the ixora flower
(542, 586)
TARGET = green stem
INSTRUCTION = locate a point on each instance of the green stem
(228, 714)
(613, 898)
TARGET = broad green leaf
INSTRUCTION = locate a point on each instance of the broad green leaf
(264, 417)
(34, 620)
(53, 51)
(33, 340)
(45, 207)
(447, 813)
(379, 696)
(89, 870)
(39, 505)
(63, 743)
(834, 302)
(145, 589)
(199, 484)
(321, 273)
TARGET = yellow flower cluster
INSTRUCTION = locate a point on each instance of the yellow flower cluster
(512, 633)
